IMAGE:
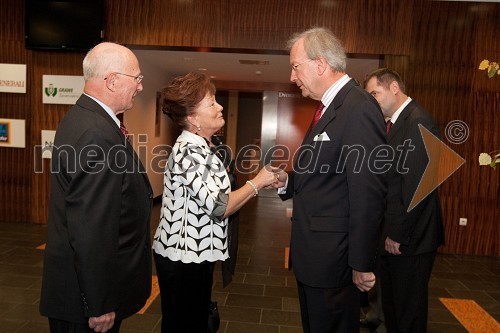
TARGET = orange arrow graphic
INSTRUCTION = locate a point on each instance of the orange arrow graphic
(443, 162)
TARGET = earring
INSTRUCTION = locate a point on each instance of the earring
(198, 128)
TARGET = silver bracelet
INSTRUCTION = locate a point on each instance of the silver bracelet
(249, 182)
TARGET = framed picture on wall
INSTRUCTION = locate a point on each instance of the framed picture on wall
(4, 132)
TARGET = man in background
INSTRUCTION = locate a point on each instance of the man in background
(97, 268)
(409, 239)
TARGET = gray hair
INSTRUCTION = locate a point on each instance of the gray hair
(321, 42)
(103, 59)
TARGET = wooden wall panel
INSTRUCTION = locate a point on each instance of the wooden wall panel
(481, 184)
(377, 27)
(11, 16)
(435, 45)
(268, 24)
(486, 122)
(201, 23)
(15, 163)
(442, 72)
(486, 45)
(400, 64)
(46, 117)
(250, 24)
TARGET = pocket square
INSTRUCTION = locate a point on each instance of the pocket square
(322, 137)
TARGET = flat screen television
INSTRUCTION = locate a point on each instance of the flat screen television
(75, 25)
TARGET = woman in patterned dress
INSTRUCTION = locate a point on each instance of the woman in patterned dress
(196, 203)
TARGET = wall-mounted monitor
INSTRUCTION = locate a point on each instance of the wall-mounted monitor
(75, 25)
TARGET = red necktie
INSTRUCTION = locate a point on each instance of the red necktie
(317, 114)
(123, 129)
(388, 126)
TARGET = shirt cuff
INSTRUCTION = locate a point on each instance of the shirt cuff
(282, 190)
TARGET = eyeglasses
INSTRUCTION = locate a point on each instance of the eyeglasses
(137, 78)
(294, 67)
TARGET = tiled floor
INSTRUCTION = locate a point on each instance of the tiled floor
(262, 297)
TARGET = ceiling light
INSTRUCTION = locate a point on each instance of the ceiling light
(254, 62)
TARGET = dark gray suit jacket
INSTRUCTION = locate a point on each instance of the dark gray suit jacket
(338, 197)
(98, 253)
(420, 230)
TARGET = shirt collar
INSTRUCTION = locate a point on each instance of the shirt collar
(334, 89)
(107, 109)
(399, 110)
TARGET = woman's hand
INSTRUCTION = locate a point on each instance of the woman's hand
(266, 177)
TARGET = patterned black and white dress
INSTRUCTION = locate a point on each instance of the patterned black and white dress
(196, 191)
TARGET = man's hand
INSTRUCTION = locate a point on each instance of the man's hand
(363, 280)
(281, 178)
(392, 246)
(102, 323)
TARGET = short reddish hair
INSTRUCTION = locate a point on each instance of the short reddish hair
(183, 94)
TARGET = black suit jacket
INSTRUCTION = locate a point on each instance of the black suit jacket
(98, 253)
(338, 199)
(421, 229)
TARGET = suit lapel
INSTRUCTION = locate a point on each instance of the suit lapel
(88, 103)
(328, 116)
(330, 113)
(136, 159)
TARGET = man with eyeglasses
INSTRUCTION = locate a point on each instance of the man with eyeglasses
(338, 200)
(97, 266)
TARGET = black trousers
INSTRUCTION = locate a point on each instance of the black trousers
(405, 283)
(186, 290)
(61, 326)
(333, 310)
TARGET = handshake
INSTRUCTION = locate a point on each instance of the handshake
(270, 177)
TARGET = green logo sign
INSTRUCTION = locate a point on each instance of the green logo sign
(50, 90)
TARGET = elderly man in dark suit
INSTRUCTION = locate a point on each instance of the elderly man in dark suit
(338, 197)
(97, 268)
(409, 239)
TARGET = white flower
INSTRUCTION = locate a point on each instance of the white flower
(484, 159)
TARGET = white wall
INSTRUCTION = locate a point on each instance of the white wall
(140, 121)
